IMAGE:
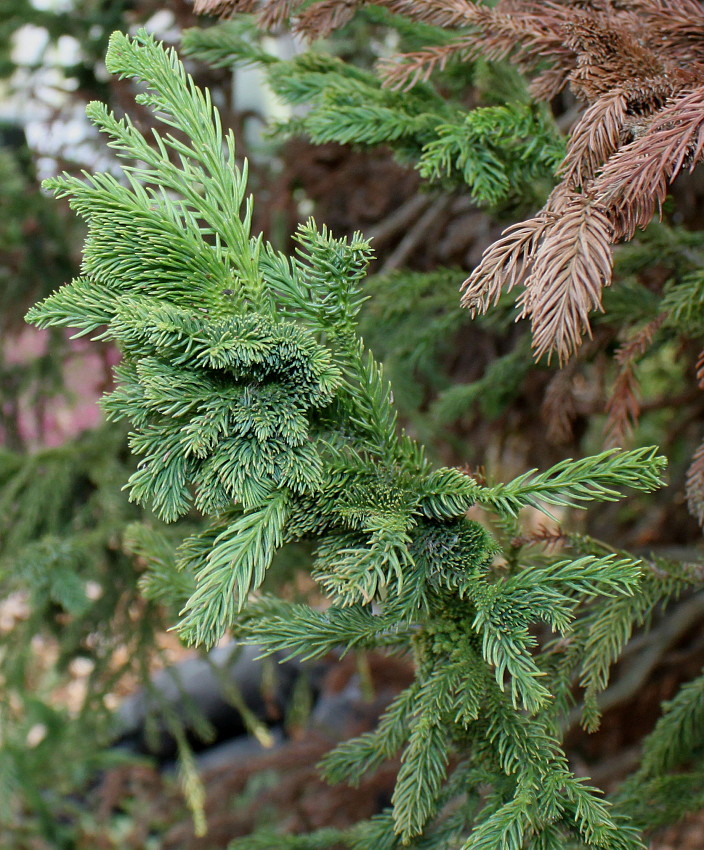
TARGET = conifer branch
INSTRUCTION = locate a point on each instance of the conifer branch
(235, 565)
(298, 630)
(253, 399)
(572, 483)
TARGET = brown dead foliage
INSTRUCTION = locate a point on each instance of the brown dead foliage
(638, 68)
(623, 406)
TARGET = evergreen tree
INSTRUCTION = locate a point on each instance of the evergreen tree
(252, 399)
(635, 127)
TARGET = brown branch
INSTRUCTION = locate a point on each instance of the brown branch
(439, 13)
(635, 180)
(528, 37)
(559, 410)
(609, 52)
(594, 139)
(700, 370)
(571, 267)
(676, 28)
(504, 264)
(406, 70)
(549, 83)
(551, 538)
(694, 487)
(399, 219)
(224, 8)
(322, 18)
(623, 406)
(415, 235)
(694, 483)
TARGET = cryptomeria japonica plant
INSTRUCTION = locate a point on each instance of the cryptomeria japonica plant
(254, 403)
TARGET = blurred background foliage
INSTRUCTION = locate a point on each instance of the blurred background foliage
(76, 631)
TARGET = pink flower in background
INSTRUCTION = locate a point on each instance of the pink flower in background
(86, 375)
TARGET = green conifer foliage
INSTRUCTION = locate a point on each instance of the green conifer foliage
(253, 399)
(456, 129)
(74, 593)
(499, 151)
